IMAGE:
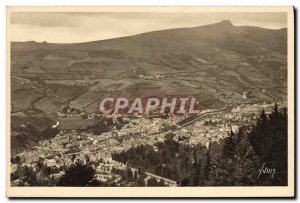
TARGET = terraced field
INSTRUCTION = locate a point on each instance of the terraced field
(232, 64)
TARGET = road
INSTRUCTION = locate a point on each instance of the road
(199, 117)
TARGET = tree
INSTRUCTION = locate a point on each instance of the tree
(229, 146)
(78, 174)
(207, 168)
(161, 182)
(196, 173)
(269, 138)
(240, 167)
(30, 176)
(141, 178)
(152, 182)
(49, 133)
(135, 176)
(222, 172)
(247, 164)
(129, 174)
(185, 182)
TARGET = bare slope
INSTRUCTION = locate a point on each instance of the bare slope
(220, 63)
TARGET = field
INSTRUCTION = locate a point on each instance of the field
(219, 64)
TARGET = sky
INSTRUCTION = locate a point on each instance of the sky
(74, 27)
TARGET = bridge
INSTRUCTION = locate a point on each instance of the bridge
(168, 182)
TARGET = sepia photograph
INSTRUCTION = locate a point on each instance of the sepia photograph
(150, 102)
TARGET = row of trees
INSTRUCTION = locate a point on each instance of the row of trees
(171, 160)
(255, 157)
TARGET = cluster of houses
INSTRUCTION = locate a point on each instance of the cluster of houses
(151, 77)
(59, 153)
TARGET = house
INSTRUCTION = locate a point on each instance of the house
(50, 162)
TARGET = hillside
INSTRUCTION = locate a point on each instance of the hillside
(219, 63)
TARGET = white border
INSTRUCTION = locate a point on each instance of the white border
(4, 3)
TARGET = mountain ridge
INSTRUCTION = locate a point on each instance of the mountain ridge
(227, 23)
(219, 63)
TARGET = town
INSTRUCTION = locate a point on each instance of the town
(50, 158)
